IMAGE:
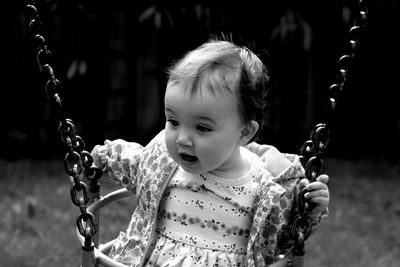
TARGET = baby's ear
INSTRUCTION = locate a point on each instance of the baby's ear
(248, 132)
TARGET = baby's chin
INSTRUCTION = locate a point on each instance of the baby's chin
(191, 169)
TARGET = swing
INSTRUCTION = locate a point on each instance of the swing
(78, 162)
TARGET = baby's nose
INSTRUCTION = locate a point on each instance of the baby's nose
(184, 138)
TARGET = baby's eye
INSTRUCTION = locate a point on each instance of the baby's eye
(173, 122)
(203, 129)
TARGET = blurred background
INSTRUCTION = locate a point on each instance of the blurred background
(112, 56)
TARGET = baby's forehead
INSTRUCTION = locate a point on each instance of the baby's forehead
(218, 80)
(204, 103)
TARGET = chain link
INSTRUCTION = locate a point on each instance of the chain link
(77, 161)
(312, 151)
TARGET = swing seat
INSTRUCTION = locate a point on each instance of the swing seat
(98, 255)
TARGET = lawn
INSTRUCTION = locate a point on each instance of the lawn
(38, 217)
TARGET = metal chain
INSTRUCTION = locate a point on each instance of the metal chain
(312, 151)
(77, 161)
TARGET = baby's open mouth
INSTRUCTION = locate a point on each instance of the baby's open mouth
(188, 158)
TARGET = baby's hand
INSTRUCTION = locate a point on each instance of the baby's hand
(101, 154)
(317, 192)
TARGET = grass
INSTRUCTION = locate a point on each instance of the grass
(38, 218)
(363, 226)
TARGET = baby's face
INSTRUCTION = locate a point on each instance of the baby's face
(203, 131)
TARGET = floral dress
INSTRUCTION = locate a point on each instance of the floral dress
(151, 238)
(205, 220)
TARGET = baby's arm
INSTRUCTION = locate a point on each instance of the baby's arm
(119, 161)
(288, 172)
(275, 160)
(278, 163)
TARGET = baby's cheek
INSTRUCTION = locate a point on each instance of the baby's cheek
(209, 158)
(171, 149)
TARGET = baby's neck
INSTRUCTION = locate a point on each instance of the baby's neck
(236, 167)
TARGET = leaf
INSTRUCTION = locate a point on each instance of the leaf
(157, 20)
(147, 13)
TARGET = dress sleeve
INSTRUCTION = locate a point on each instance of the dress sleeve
(119, 161)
